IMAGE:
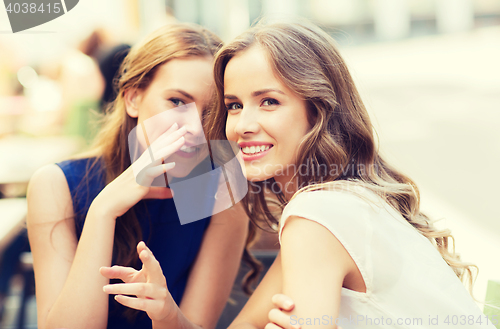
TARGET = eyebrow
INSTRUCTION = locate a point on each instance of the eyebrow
(265, 91)
(183, 93)
(257, 93)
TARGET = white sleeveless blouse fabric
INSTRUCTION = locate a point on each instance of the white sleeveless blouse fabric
(408, 284)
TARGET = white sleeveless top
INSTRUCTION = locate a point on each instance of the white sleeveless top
(408, 284)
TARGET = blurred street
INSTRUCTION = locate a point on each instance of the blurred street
(435, 102)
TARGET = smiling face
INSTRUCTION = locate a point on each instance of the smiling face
(265, 117)
(176, 83)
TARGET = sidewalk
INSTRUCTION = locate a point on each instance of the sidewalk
(435, 102)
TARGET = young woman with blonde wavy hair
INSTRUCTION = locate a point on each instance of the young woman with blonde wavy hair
(89, 213)
(356, 250)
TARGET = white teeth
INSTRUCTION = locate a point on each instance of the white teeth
(188, 149)
(255, 149)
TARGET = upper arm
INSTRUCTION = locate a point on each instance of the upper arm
(314, 265)
(216, 266)
(51, 234)
(258, 306)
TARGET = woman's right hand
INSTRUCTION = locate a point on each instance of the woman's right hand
(149, 286)
(277, 316)
(134, 184)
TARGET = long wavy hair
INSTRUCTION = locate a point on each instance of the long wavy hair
(306, 60)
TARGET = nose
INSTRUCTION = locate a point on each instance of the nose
(191, 120)
(248, 122)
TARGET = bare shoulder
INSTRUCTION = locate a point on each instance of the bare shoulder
(48, 195)
(313, 243)
(51, 173)
(302, 228)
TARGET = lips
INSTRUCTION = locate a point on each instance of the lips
(250, 150)
(254, 150)
(189, 150)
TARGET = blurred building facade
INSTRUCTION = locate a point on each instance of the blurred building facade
(364, 20)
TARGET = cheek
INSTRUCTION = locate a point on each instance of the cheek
(280, 131)
(148, 110)
(230, 134)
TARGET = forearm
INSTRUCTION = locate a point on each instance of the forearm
(243, 325)
(177, 321)
(82, 302)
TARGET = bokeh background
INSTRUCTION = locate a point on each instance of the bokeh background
(428, 71)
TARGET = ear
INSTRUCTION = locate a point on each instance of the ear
(132, 99)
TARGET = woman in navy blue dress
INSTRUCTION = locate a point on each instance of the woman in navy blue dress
(89, 213)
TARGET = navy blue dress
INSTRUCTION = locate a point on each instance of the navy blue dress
(174, 245)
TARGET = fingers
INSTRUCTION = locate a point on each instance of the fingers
(146, 176)
(143, 290)
(152, 267)
(157, 142)
(142, 304)
(126, 274)
(166, 142)
(277, 317)
(271, 325)
(167, 150)
(164, 146)
(280, 319)
(155, 171)
(160, 140)
(141, 246)
(283, 302)
(170, 130)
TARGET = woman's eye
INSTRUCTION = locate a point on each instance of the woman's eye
(177, 102)
(270, 101)
(234, 106)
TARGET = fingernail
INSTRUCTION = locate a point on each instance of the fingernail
(288, 304)
(169, 165)
(175, 125)
(105, 288)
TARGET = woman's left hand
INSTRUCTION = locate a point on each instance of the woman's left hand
(277, 316)
(148, 285)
